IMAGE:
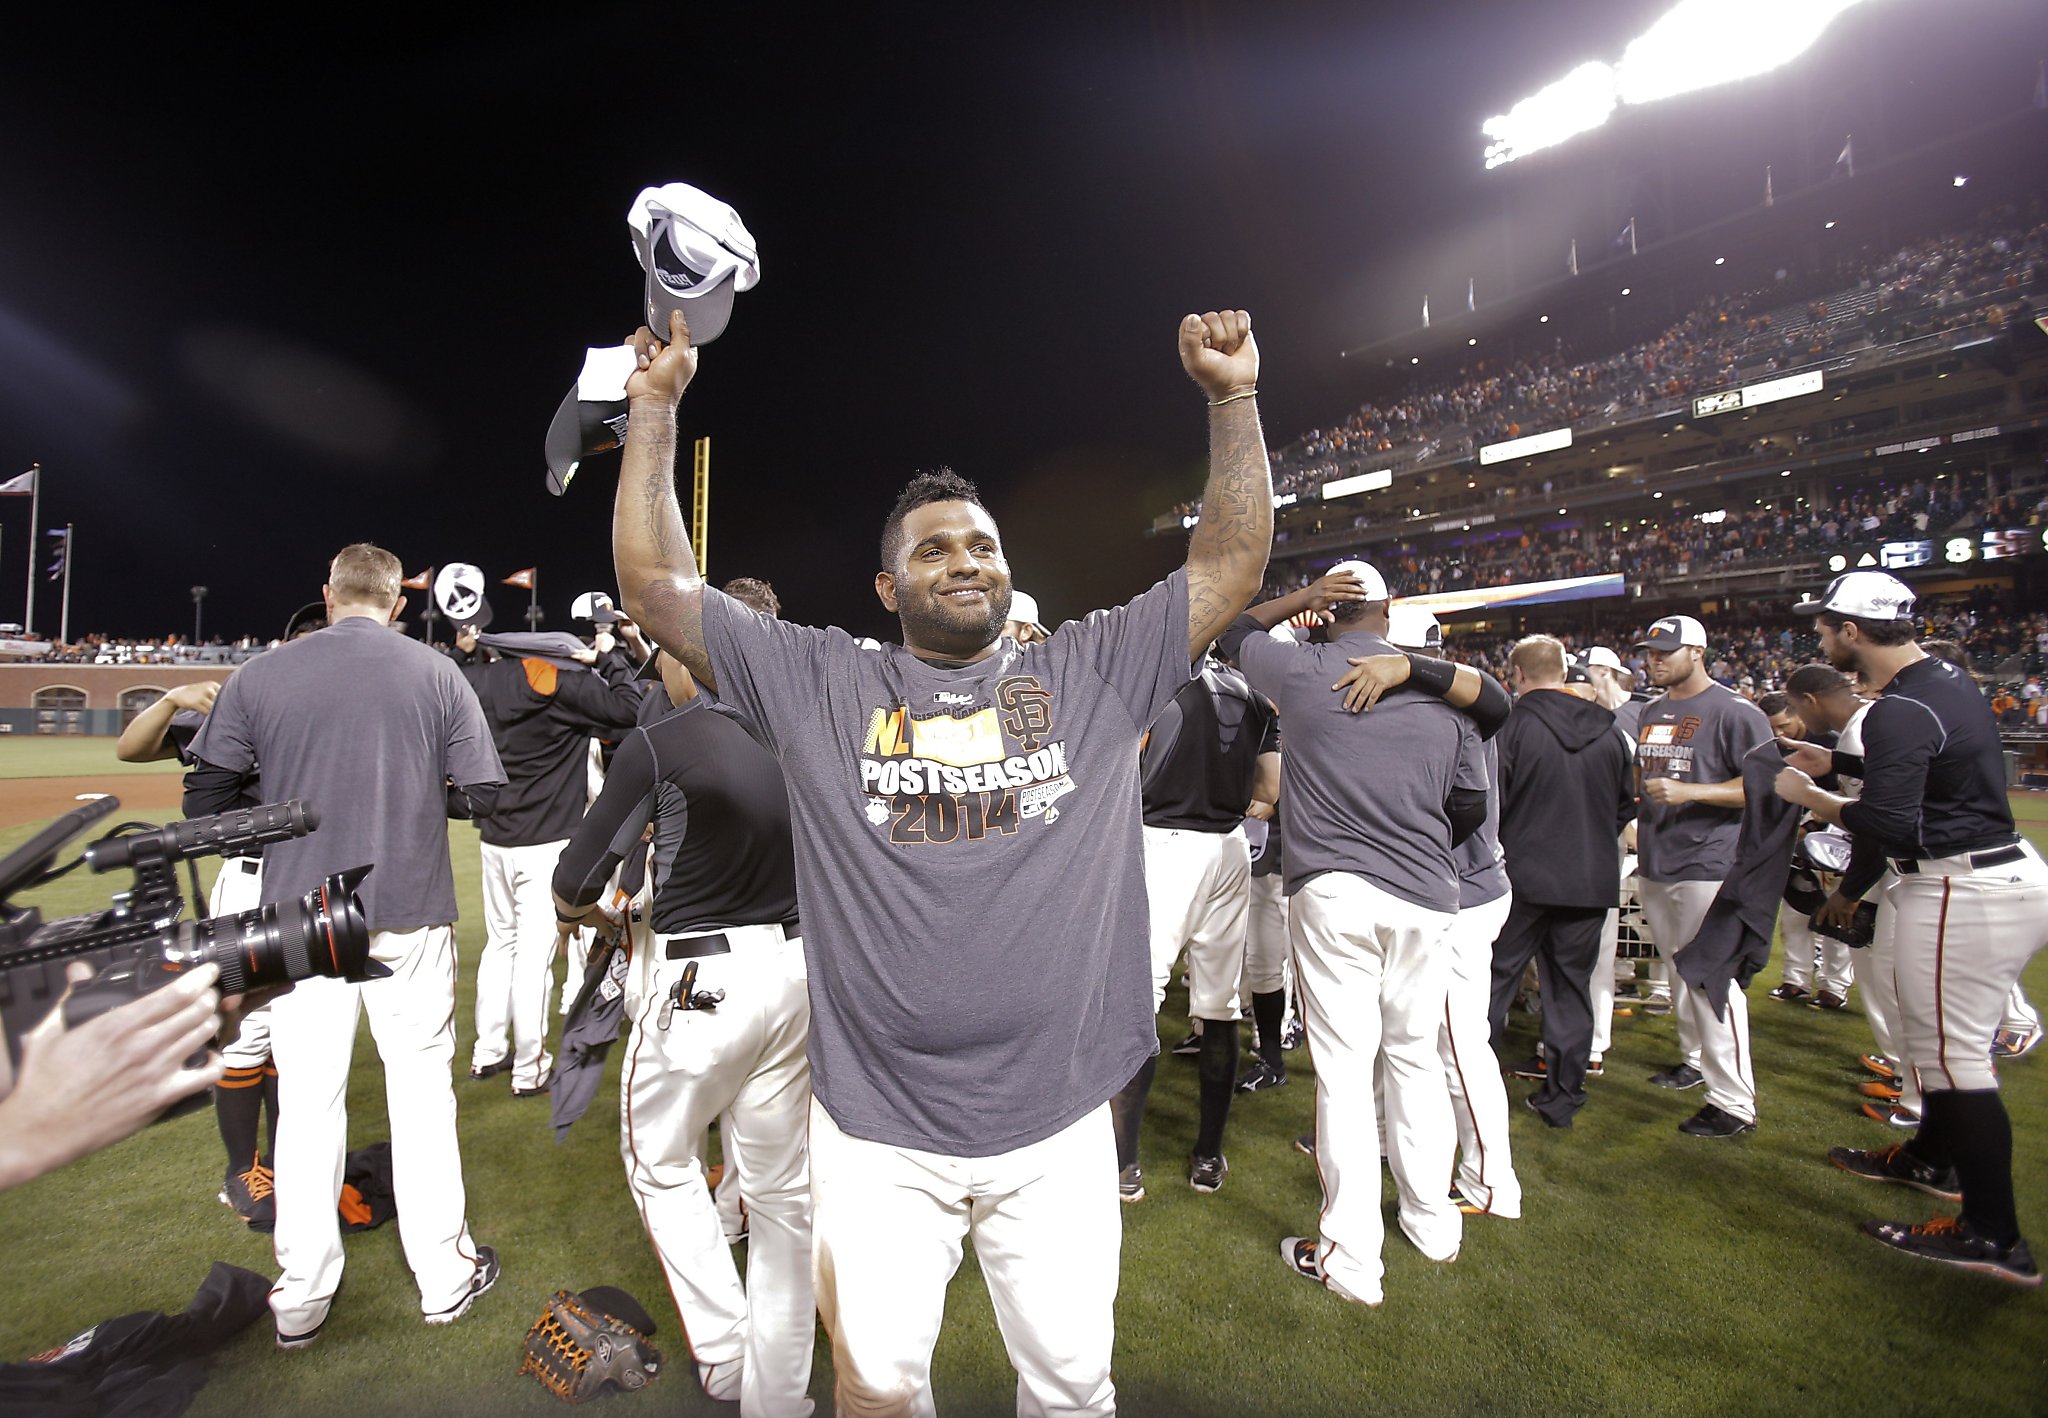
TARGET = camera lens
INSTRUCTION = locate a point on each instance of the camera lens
(321, 933)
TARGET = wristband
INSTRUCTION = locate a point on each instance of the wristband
(1431, 676)
(1232, 398)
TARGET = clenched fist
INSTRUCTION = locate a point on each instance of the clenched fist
(1218, 352)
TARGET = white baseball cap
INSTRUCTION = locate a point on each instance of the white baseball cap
(1375, 584)
(1602, 656)
(1024, 609)
(1866, 595)
(1413, 628)
(1672, 631)
(696, 252)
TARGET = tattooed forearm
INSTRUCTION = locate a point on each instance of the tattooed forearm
(1227, 554)
(658, 577)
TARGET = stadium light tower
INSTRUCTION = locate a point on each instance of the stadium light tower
(1697, 44)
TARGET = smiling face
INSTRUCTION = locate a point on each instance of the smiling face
(951, 587)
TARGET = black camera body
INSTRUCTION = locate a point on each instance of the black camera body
(143, 940)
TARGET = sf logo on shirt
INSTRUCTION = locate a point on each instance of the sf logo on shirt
(971, 772)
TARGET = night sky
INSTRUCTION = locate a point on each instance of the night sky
(265, 290)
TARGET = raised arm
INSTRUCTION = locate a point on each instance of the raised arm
(658, 577)
(147, 737)
(1227, 554)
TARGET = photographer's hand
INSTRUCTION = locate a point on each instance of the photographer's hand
(86, 1088)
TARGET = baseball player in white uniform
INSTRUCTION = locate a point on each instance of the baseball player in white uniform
(1972, 909)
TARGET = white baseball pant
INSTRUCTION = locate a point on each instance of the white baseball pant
(742, 1062)
(1964, 935)
(1880, 980)
(1717, 1047)
(412, 1019)
(515, 973)
(1479, 1096)
(1802, 942)
(238, 887)
(1268, 965)
(2020, 1015)
(888, 1225)
(1374, 978)
(1609, 971)
(1198, 884)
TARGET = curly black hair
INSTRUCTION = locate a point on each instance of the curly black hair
(938, 485)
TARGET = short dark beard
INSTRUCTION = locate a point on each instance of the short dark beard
(923, 626)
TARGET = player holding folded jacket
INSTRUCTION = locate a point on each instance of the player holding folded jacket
(720, 1018)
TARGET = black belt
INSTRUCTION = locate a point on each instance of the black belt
(1996, 857)
(696, 946)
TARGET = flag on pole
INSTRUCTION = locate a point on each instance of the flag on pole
(1425, 312)
(1571, 262)
(523, 579)
(1471, 294)
(60, 551)
(1769, 200)
(25, 485)
(419, 582)
(1845, 161)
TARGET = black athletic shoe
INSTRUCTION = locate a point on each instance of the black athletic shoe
(1679, 1077)
(1531, 1104)
(1895, 1164)
(1712, 1121)
(1954, 1242)
(1261, 1076)
(1828, 1000)
(1792, 994)
(479, 1072)
(540, 1089)
(1292, 1034)
(1189, 1047)
(1530, 1068)
(300, 1341)
(249, 1194)
(486, 1276)
(1130, 1184)
(1206, 1174)
(1306, 1144)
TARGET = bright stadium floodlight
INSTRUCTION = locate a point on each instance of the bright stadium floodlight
(1697, 44)
(1578, 103)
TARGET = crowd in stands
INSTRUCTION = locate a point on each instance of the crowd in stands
(1925, 287)
(110, 650)
(1687, 546)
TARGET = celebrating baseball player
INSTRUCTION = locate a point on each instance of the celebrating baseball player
(966, 821)
(1972, 909)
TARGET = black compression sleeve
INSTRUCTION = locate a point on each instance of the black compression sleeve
(1234, 635)
(210, 789)
(1435, 677)
(613, 822)
(1866, 865)
(1466, 808)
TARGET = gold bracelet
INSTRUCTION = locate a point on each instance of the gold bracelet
(1231, 398)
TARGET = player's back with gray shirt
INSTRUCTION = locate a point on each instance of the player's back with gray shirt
(1698, 740)
(366, 726)
(1364, 793)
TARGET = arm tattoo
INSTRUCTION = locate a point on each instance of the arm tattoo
(1227, 554)
(658, 576)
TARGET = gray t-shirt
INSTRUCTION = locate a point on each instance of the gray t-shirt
(1364, 793)
(366, 726)
(969, 864)
(1697, 740)
(1482, 870)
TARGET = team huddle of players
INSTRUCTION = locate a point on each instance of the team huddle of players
(884, 906)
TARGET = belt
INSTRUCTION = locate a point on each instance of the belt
(692, 947)
(248, 864)
(1996, 857)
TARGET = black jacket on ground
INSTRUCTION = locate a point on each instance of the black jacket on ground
(1567, 790)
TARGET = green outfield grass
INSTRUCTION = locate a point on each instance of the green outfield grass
(58, 757)
(1653, 1272)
